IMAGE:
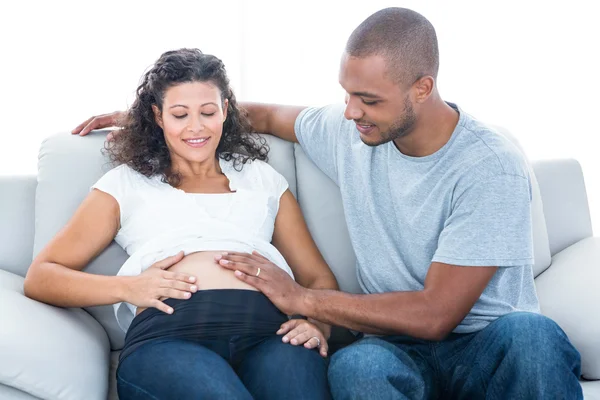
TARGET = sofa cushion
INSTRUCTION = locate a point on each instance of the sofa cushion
(68, 166)
(321, 203)
(566, 205)
(569, 294)
(16, 229)
(49, 352)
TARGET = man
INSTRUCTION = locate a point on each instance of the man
(441, 231)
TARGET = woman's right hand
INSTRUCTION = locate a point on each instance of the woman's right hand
(98, 122)
(156, 284)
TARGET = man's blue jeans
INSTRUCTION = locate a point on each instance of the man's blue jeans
(518, 356)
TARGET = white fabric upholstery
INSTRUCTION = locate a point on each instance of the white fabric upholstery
(565, 202)
(9, 392)
(321, 205)
(54, 353)
(591, 390)
(17, 197)
(569, 294)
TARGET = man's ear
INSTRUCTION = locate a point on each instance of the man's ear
(157, 116)
(424, 87)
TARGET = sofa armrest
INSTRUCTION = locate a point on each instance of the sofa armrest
(568, 293)
(17, 205)
(50, 352)
(565, 202)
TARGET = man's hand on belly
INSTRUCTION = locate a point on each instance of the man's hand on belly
(259, 272)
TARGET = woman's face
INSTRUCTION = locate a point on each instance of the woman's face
(192, 119)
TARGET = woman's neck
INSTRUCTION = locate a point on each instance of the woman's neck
(188, 170)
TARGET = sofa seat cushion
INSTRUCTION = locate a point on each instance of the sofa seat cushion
(569, 293)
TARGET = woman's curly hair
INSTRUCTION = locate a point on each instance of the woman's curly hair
(142, 145)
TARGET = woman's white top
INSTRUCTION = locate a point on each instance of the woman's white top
(158, 220)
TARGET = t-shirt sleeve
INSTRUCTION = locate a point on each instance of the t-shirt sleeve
(273, 181)
(490, 225)
(320, 132)
(115, 183)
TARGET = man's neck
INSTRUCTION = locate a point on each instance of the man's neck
(432, 130)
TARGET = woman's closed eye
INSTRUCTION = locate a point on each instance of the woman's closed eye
(185, 115)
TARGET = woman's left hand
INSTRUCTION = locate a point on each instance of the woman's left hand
(302, 332)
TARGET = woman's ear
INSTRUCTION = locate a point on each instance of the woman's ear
(158, 116)
(225, 107)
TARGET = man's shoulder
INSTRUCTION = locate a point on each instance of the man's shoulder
(490, 152)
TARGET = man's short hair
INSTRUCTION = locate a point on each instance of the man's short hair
(404, 38)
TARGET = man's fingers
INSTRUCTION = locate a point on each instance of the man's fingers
(81, 126)
(238, 257)
(260, 256)
(239, 266)
(169, 261)
(250, 280)
(95, 123)
(288, 326)
(162, 306)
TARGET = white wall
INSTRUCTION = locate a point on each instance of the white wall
(531, 66)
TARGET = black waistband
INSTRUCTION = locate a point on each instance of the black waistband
(208, 314)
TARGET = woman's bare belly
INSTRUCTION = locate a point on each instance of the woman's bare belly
(209, 274)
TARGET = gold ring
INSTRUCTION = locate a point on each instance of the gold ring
(258, 272)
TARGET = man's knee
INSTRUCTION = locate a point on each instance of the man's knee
(368, 356)
(373, 366)
(535, 338)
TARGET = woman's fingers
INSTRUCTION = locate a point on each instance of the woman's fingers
(168, 262)
(292, 336)
(178, 285)
(323, 346)
(161, 306)
(288, 326)
(178, 276)
(175, 294)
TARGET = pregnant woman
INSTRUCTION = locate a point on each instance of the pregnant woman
(191, 184)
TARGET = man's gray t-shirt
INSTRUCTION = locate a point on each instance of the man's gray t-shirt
(468, 204)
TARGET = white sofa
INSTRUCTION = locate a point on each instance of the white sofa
(53, 353)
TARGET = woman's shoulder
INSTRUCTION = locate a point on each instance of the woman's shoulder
(127, 176)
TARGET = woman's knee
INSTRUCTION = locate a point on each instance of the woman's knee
(293, 371)
(177, 370)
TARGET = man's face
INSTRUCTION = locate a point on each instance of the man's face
(381, 109)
